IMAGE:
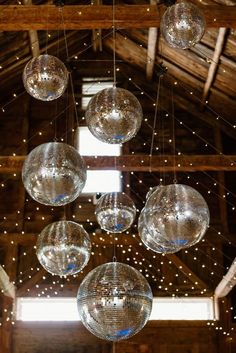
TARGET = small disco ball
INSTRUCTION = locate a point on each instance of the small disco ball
(45, 77)
(54, 174)
(63, 248)
(155, 243)
(182, 25)
(114, 301)
(178, 214)
(115, 212)
(114, 115)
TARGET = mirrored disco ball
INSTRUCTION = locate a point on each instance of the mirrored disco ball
(54, 174)
(154, 242)
(63, 248)
(115, 212)
(114, 115)
(178, 214)
(114, 301)
(45, 77)
(182, 25)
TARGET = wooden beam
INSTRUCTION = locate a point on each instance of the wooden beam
(227, 283)
(96, 33)
(6, 285)
(151, 49)
(76, 17)
(33, 36)
(140, 163)
(7, 329)
(136, 56)
(186, 271)
(28, 239)
(214, 62)
(31, 282)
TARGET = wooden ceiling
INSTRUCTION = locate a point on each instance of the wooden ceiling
(197, 87)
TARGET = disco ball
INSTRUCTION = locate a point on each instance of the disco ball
(54, 174)
(45, 77)
(182, 25)
(114, 115)
(63, 248)
(115, 212)
(114, 301)
(178, 214)
(154, 242)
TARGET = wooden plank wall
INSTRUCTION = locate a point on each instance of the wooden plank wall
(156, 337)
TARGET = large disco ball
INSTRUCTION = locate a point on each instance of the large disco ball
(45, 77)
(63, 248)
(114, 301)
(178, 214)
(114, 115)
(154, 242)
(115, 212)
(54, 174)
(182, 25)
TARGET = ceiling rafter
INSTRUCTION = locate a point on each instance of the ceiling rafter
(214, 62)
(138, 163)
(39, 17)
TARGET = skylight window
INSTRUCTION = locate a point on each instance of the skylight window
(92, 86)
(187, 308)
(65, 309)
(88, 145)
(98, 180)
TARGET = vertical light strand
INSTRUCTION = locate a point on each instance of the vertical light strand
(173, 132)
(114, 43)
(154, 123)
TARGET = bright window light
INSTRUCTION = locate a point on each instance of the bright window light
(88, 145)
(92, 86)
(182, 309)
(65, 309)
(47, 309)
(102, 181)
(98, 180)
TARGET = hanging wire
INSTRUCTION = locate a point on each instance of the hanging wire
(155, 121)
(173, 131)
(114, 43)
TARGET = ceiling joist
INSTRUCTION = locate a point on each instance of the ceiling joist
(77, 17)
(141, 163)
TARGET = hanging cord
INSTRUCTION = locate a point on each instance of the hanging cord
(114, 259)
(173, 132)
(113, 347)
(114, 43)
(154, 123)
(70, 75)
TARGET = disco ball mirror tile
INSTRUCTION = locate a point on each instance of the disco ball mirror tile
(45, 77)
(114, 301)
(115, 212)
(155, 242)
(182, 25)
(114, 115)
(54, 174)
(178, 214)
(63, 248)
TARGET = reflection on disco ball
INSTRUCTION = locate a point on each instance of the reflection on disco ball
(154, 242)
(45, 77)
(182, 25)
(178, 214)
(63, 248)
(114, 115)
(114, 301)
(54, 174)
(115, 212)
